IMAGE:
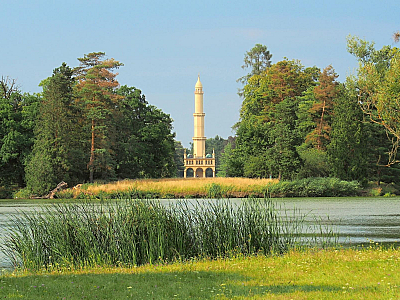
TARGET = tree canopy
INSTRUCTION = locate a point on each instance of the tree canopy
(83, 127)
(298, 122)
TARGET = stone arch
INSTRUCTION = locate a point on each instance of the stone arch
(189, 173)
(209, 172)
(199, 172)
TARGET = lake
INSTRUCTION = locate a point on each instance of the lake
(356, 220)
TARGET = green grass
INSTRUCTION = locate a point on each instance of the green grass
(372, 273)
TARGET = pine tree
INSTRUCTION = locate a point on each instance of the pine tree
(96, 86)
(325, 92)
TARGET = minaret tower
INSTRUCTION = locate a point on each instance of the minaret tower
(199, 140)
(199, 163)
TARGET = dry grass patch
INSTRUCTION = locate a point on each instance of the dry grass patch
(185, 187)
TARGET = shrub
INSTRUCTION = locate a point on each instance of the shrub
(214, 190)
(5, 192)
(314, 187)
(24, 193)
(65, 194)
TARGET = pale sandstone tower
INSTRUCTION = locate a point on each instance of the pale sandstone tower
(199, 162)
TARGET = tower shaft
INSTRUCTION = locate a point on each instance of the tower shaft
(199, 140)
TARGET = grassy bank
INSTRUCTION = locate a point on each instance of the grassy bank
(323, 274)
(215, 188)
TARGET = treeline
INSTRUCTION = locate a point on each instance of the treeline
(297, 122)
(83, 127)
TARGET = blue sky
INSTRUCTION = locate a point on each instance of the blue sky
(165, 44)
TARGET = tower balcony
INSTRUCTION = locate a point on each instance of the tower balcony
(199, 161)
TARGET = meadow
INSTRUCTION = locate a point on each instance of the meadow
(367, 273)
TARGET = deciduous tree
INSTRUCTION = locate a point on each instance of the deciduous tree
(266, 133)
(347, 151)
(145, 139)
(17, 117)
(378, 87)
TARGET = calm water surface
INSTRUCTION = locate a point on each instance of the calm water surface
(356, 220)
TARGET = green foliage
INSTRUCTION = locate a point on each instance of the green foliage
(146, 145)
(216, 144)
(81, 128)
(231, 162)
(65, 194)
(375, 192)
(24, 193)
(129, 233)
(282, 155)
(214, 190)
(258, 59)
(377, 87)
(267, 135)
(256, 167)
(178, 158)
(96, 88)
(56, 154)
(314, 187)
(315, 163)
(6, 192)
(347, 151)
(17, 116)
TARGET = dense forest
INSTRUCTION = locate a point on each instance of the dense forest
(82, 127)
(297, 122)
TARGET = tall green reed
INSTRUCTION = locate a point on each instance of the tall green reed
(135, 232)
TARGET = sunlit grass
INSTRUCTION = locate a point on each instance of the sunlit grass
(372, 273)
(184, 187)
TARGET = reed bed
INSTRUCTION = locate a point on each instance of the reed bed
(136, 232)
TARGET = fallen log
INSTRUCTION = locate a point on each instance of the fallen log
(62, 185)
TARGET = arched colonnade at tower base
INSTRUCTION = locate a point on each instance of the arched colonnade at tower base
(199, 172)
